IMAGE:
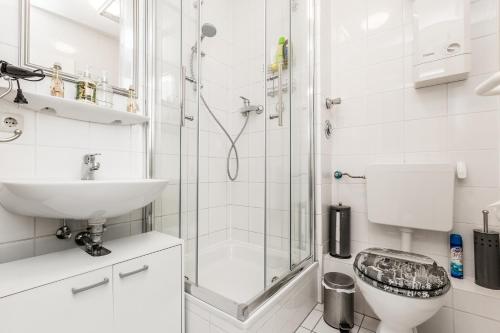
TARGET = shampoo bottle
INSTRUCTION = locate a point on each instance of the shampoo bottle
(456, 256)
(279, 57)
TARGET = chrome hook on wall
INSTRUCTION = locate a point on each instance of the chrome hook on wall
(330, 102)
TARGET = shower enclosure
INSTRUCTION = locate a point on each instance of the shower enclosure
(232, 130)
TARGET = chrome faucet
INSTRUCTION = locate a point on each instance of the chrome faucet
(247, 107)
(90, 166)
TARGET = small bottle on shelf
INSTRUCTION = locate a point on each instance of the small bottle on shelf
(104, 93)
(132, 101)
(86, 88)
(57, 84)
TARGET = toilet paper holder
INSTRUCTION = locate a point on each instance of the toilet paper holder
(339, 174)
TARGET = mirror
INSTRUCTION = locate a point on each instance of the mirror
(98, 35)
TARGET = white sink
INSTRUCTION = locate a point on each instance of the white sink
(79, 200)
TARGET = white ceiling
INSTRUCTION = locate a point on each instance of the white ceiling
(82, 11)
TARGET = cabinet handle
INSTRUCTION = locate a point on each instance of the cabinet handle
(79, 290)
(143, 269)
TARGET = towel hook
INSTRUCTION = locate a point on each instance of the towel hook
(17, 134)
(330, 102)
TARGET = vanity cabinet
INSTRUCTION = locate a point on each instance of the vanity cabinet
(147, 295)
(136, 288)
(65, 306)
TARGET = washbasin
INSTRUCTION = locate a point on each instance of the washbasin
(79, 199)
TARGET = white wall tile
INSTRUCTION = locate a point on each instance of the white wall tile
(383, 118)
(473, 131)
(426, 135)
(466, 322)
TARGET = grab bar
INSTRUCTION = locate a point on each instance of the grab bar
(17, 134)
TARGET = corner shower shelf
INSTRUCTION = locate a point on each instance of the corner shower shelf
(72, 109)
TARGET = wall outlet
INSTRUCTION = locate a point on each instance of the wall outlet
(9, 122)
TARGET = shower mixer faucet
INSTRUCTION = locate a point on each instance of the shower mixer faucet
(247, 107)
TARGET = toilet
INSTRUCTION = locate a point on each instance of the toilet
(404, 288)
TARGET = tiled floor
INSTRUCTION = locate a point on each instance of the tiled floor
(315, 323)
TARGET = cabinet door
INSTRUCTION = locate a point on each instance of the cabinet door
(72, 305)
(148, 293)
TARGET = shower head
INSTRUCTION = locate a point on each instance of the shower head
(208, 30)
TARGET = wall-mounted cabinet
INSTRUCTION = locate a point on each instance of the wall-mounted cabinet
(442, 41)
(137, 288)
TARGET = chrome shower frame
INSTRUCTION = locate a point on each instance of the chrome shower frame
(241, 311)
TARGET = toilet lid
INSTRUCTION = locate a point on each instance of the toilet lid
(403, 273)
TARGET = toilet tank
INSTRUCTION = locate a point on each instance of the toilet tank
(418, 196)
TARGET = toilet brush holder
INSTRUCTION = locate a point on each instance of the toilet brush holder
(487, 256)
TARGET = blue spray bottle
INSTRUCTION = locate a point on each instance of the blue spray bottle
(456, 256)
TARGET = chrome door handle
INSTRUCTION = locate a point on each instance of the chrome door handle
(124, 275)
(17, 134)
(95, 285)
(183, 95)
(184, 78)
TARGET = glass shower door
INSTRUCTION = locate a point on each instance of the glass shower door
(174, 124)
(192, 221)
(301, 123)
(278, 117)
(288, 137)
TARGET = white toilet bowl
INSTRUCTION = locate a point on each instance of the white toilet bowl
(404, 289)
(399, 314)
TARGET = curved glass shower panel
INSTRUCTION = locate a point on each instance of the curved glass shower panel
(165, 119)
(231, 129)
(174, 151)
